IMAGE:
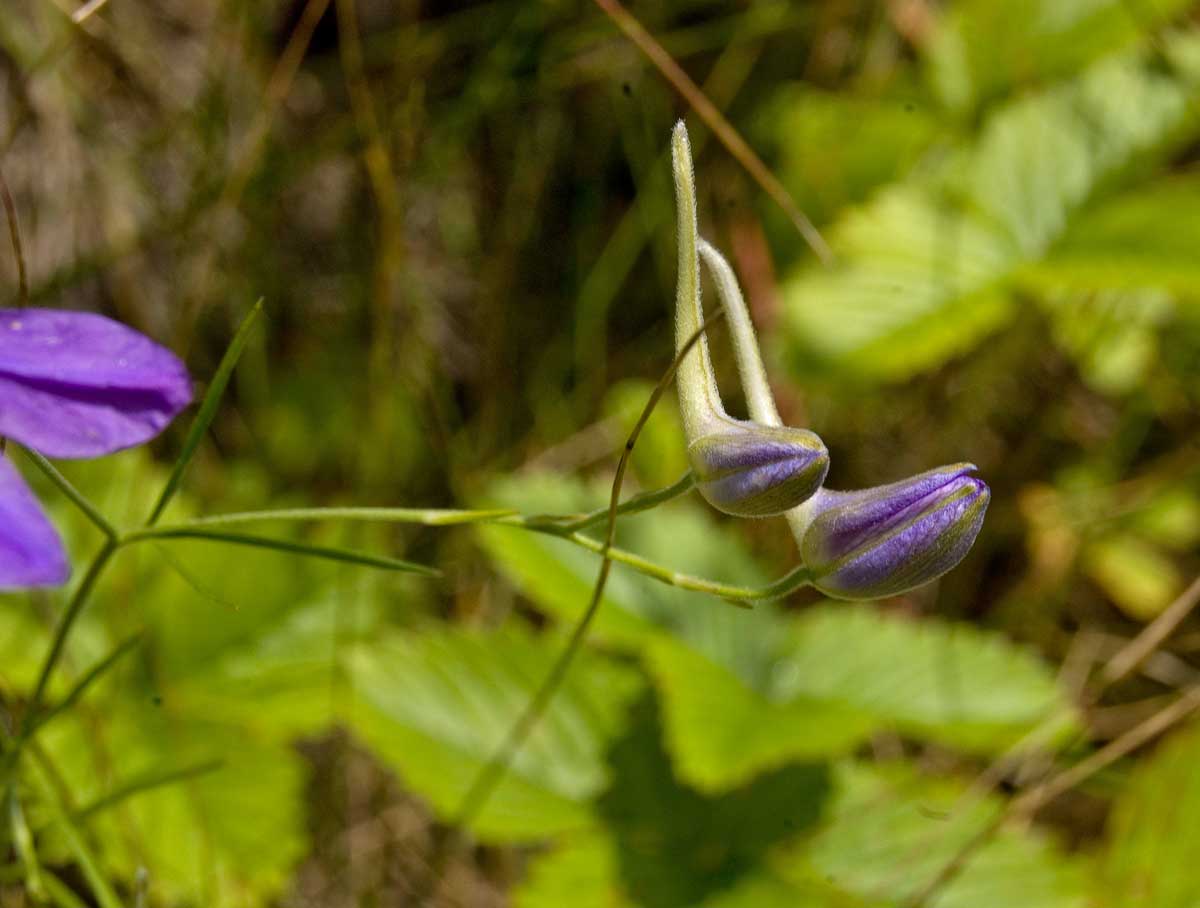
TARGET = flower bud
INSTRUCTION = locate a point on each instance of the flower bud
(886, 540)
(751, 470)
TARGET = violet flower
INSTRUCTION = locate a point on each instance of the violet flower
(72, 385)
(889, 539)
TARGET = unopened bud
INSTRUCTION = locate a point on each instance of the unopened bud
(888, 539)
(758, 471)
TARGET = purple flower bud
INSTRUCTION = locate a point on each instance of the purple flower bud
(751, 470)
(73, 384)
(888, 539)
(30, 551)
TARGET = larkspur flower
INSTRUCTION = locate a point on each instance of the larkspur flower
(861, 544)
(889, 539)
(742, 468)
(72, 385)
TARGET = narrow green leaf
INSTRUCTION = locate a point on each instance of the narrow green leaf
(426, 516)
(329, 553)
(145, 782)
(76, 841)
(207, 411)
(94, 674)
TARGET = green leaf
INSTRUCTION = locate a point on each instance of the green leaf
(1138, 578)
(890, 831)
(878, 140)
(1153, 850)
(1142, 239)
(436, 706)
(676, 846)
(924, 269)
(581, 871)
(984, 48)
(840, 673)
(193, 835)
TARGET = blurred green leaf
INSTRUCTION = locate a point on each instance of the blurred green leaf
(842, 672)
(225, 837)
(676, 846)
(889, 831)
(581, 871)
(437, 704)
(981, 49)
(1153, 850)
(835, 148)
(1146, 238)
(923, 269)
(1138, 578)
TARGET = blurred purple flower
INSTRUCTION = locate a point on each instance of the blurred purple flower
(888, 539)
(72, 385)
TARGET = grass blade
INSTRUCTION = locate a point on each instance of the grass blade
(85, 682)
(349, 556)
(208, 410)
(147, 781)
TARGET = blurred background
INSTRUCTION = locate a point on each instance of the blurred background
(460, 218)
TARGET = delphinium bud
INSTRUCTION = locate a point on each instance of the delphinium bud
(885, 540)
(743, 468)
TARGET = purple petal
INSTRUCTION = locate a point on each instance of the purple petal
(75, 384)
(31, 553)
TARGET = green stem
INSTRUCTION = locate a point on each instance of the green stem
(77, 498)
(74, 607)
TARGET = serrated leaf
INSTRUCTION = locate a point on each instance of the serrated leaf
(676, 846)
(1141, 239)
(983, 48)
(841, 673)
(923, 271)
(890, 831)
(581, 871)
(437, 705)
(1153, 850)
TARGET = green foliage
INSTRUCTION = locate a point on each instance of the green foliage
(926, 269)
(843, 673)
(438, 704)
(472, 306)
(890, 831)
(1152, 854)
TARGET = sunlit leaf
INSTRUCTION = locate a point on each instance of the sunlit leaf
(436, 705)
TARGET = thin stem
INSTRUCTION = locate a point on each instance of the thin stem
(759, 399)
(74, 607)
(790, 582)
(76, 497)
(284, 545)
(643, 502)
(423, 516)
(14, 232)
(489, 777)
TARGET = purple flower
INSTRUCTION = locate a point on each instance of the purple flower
(888, 539)
(72, 385)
